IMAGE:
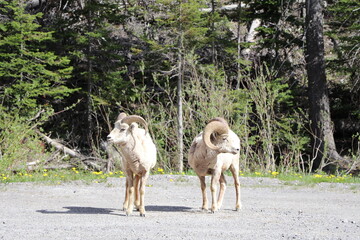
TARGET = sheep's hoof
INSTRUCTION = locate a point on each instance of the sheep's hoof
(142, 214)
(214, 209)
(238, 208)
(137, 207)
(129, 212)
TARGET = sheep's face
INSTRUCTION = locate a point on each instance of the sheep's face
(225, 144)
(122, 133)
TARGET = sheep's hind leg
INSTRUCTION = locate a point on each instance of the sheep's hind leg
(203, 192)
(143, 180)
(235, 173)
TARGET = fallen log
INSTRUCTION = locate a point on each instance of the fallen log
(77, 158)
(60, 146)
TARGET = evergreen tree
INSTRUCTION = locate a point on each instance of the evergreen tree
(89, 35)
(323, 143)
(32, 80)
(344, 20)
(31, 76)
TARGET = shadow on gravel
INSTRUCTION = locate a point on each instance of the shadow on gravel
(82, 210)
(156, 208)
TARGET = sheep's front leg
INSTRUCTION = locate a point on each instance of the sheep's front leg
(235, 173)
(222, 190)
(130, 186)
(137, 191)
(203, 191)
(214, 181)
(126, 201)
(143, 180)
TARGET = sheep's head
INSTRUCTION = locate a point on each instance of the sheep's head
(216, 137)
(124, 128)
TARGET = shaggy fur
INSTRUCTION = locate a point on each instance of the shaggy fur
(139, 156)
(206, 161)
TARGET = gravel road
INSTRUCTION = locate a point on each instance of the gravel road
(271, 210)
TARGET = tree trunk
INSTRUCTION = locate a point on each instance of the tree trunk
(322, 140)
(238, 57)
(89, 84)
(180, 81)
(212, 30)
(180, 115)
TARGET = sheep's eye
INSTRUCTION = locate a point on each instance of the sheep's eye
(122, 129)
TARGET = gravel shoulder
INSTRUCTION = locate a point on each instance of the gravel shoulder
(271, 210)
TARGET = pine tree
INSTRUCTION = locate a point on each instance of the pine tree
(31, 76)
(323, 142)
(344, 20)
(88, 34)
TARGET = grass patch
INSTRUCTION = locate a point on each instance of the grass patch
(305, 178)
(58, 176)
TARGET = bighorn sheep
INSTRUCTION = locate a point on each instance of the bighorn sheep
(139, 156)
(212, 152)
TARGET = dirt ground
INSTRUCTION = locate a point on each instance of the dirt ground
(271, 210)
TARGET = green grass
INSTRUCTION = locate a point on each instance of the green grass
(58, 176)
(306, 178)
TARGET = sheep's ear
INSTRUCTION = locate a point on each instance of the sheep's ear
(133, 126)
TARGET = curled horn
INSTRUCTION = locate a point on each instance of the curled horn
(121, 116)
(218, 125)
(135, 118)
(220, 119)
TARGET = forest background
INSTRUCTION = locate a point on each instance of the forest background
(69, 67)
